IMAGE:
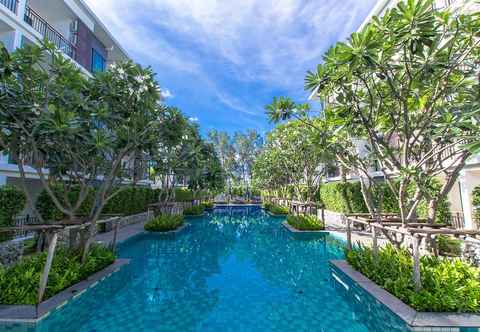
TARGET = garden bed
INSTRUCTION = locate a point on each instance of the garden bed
(345, 275)
(194, 211)
(34, 313)
(305, 223)
(294, 230)
(275, 215)
(165, 223)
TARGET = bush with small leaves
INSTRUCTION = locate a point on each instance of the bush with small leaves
(164, 223)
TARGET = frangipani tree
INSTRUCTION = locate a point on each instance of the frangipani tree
(338, 142)
(79, 131)
(295, 154)
(174, 150)
(42, 98)
(404, 84)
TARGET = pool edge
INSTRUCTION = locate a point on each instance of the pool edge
(410, 316)
(32, 314)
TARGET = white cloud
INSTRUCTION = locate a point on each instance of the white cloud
(268, 41)
(166, 94)
(193, 119)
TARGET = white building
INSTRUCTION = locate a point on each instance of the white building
(73, 28)
(461, 195)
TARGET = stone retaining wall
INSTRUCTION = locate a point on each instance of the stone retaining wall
(73, 234)
(471, 251)
(10, 252)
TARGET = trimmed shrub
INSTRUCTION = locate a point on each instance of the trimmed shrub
(476, 204)
(181, 195)
(164, 223)
(19, 283)
(131, 200)
(195, 210)
(12, 202)
(276, 209)
(49, 211)
(208, 205)
(305, 223)
(333, 199)
(449, 246)
(449, 285)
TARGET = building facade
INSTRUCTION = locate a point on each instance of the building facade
(74, 29)
(460, 197)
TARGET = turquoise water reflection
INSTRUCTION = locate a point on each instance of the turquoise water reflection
(235, 269)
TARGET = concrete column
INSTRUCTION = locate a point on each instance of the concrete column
(468, 179)
(21, 14)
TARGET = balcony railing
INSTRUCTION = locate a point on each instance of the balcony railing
(10, 4)
(49, 32)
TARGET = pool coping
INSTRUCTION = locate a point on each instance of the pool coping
(275, 215)
(409, 315)
(32, 314)
(294, 230)
(178, 230)
(195, 215)
(237, 205)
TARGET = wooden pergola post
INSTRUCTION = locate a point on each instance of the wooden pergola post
(349, 234)
(115, 232)
(416, 263)
(48, 266)
(374, 241)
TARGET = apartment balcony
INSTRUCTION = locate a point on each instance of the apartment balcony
(33, 19)
(12, 5)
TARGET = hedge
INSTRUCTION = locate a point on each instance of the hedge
(129, 201)
(333, 200)
(12, 202)
(476, 203)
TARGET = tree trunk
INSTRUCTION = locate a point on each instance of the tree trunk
(432, 210)
(343, 175)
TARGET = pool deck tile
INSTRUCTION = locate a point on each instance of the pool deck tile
(123, 234)
(406, 313)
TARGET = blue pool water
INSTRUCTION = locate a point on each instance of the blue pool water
(236, 269)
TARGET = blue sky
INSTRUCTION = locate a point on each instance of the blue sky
(222, 61)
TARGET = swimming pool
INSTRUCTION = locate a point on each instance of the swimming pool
(235, 269)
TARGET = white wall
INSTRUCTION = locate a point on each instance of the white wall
(8, 39)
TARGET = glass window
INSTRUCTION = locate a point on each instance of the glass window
(98, 62)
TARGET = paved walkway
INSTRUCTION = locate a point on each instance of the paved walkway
(124, 233)
(364, 238)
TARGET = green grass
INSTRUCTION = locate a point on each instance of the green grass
(195, 210)
(164, 223)
(19, 283)
(449, 285)
(305, 223)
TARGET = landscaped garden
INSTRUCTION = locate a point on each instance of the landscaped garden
(90, 139)
(306, 223)
(398, 124)
(165, 223)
